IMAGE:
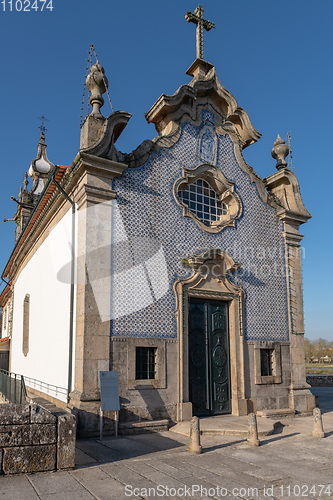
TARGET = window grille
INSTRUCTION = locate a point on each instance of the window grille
(145, 363)
(266, 362)
(203, 201)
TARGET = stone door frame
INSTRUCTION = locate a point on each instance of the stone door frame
(209, 358)
(209, 281)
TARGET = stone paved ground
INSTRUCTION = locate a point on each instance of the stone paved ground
(289, 464)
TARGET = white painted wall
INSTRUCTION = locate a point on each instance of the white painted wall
(47, 359)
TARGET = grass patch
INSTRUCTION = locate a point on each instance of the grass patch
(318, 369)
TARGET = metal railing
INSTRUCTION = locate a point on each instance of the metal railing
(50, 389)
(12, 387)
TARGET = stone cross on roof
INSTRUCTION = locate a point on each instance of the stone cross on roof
(197, 18)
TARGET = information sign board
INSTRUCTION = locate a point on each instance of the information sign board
(109, 391)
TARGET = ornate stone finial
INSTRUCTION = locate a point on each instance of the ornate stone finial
(42, 138)
(25, 182)
(197, 18)
(41, 164)
(97, 83)
(279, 152)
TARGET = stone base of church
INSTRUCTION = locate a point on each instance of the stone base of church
(298, 400)
(87, 415)
(239, 407)
(184, 411)
(144, 413)
(301, 400)
(155, 399)
(88, 412)
(266, 402)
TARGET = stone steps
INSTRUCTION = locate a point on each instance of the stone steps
(128, 428)
(280, 413)
(225, 425)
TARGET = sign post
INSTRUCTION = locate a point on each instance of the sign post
(109, 398)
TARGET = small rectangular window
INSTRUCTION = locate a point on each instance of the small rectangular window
(145, 363)
(266, 362)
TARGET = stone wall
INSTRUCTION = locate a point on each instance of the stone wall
(33, 439)
(148, 399)
(320, 380)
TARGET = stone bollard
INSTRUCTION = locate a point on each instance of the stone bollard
(194, 446)
(252, 436)
(318, 431)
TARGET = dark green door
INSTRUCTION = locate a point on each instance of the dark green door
(209, 374)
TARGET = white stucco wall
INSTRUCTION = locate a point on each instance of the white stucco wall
(47, 359)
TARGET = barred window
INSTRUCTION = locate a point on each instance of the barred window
(145, 363)
(203, 201)
(266, 362)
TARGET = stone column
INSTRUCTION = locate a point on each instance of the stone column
(292, 212)
(93, 195)
(300, 397)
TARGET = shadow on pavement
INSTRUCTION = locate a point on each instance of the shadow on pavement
(207, 449)
(92, 450)
(277, 438)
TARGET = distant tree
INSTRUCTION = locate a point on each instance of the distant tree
(309, 348)
(322, 348)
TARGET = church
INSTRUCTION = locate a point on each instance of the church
(175, 265)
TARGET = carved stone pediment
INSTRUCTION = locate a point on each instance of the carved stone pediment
(210, 274)
(204, 91)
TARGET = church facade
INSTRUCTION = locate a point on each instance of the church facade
(175, 265)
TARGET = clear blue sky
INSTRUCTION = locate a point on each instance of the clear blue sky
(274, 57)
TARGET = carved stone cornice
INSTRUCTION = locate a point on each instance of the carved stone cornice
(293, 238)
(284, 185)
(92, 195)
(292, 218)
(101, 167)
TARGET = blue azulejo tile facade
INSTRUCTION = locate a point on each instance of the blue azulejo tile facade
(151, 237)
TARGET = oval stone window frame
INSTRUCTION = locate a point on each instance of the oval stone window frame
(222, 187)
